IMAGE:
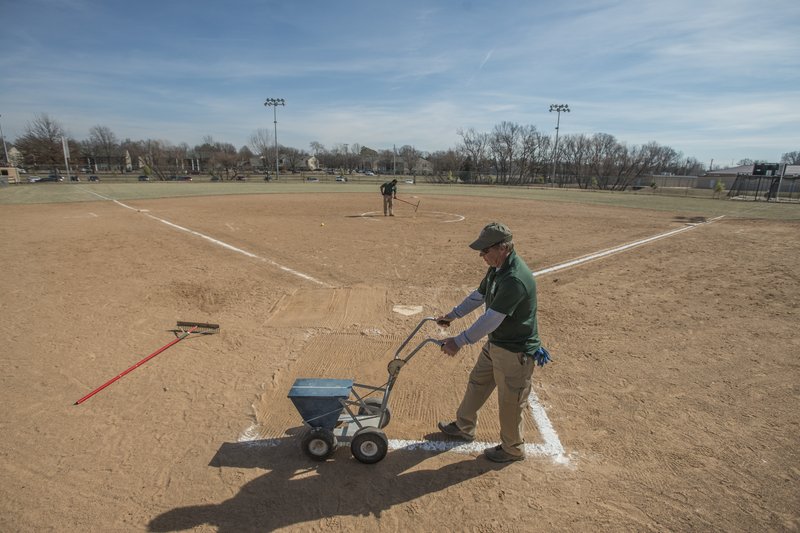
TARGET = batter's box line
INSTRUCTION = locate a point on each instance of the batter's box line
(551, 447)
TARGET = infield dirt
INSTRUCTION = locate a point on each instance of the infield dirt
(674, 386)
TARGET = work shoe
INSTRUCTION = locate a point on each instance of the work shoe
(499, 455)
(453, 430)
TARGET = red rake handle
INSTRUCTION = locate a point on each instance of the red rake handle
(416, 206)
(134, 367)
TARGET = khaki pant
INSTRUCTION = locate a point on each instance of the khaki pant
(387, 204)
(510, 373)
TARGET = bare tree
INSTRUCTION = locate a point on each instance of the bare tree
(294, 159)
(475, 146)
(263, 146)
(367, 158)
(41, 142)
(409, 156)
(316, 148)
(503, 144)
(575, 156)
(791, 158)
(103, 143)
(446, 163)
(533, 150)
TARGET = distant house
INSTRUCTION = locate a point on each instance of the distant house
(15, 157)
(9, 175)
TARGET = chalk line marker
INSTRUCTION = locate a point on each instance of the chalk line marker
(220, 243)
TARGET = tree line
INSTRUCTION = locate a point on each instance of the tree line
(510, 154)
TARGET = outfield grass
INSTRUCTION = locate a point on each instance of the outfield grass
(44, 193)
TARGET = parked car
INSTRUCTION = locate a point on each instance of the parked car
(50, 178)
(410, 182)
(94, 178)
(341, 178)
(74, 178)
(184, 178)
(240, 178)
(369, 173)
(312, 179)
(33, 179)
(144, 178)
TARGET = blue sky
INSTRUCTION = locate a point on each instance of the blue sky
(714, 79)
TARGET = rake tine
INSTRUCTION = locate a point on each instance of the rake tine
(198, 327)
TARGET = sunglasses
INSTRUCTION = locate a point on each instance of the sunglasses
(485, 251)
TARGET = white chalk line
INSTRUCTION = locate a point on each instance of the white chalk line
(621, 248)
(374, 215)
(220, 243)
(551, 447)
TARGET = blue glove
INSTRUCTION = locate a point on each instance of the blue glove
(541, 356)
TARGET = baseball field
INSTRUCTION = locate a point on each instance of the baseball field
(672, 402)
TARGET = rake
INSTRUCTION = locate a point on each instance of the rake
(416, 206)
(181, 331)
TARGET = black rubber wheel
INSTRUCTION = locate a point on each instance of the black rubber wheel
(319, 444)
(373, 407)
(369, 445)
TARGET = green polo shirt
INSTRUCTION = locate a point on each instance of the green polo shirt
(511, 290)
(389, 188)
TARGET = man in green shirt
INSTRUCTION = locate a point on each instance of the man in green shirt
(389, 192)
(506, 362)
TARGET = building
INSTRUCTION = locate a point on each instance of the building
(9, 175)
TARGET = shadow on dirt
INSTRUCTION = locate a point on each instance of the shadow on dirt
(296, 489)
(691, 220)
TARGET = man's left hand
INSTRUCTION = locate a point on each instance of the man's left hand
(450, 347)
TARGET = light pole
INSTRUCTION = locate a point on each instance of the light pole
(274, 103)
(558, 108)
(5, 150)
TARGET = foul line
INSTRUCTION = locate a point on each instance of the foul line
(621, 248)
(220, 243)
(551, 447)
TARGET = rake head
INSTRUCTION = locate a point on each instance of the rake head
(201, 328)
(414, 205)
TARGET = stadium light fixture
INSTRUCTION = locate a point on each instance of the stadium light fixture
(274, 103)
(558, 108)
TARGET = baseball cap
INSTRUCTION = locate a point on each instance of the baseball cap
(491, 234)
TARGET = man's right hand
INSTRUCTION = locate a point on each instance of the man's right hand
(450, 347)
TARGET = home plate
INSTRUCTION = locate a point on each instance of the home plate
(407, 310)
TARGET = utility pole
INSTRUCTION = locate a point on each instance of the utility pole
(5, 150)
(274, 103)
(558, 108)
